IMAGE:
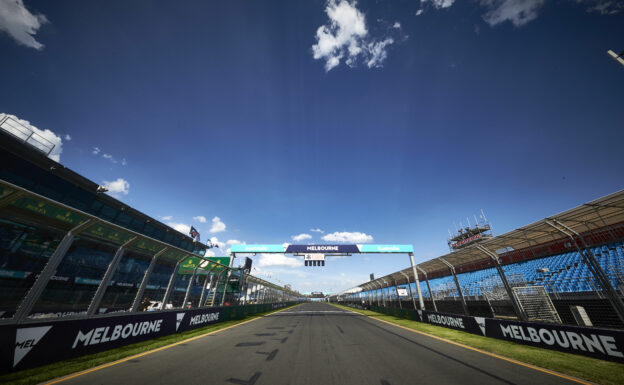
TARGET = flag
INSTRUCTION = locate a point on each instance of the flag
(194, 234)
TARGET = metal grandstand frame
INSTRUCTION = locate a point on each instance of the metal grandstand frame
(36, 290)
(600, 214)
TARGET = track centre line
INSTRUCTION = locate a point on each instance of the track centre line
(556, 374)
(99, 367)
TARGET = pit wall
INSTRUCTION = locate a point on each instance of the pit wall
(605, 344)
(34, 344)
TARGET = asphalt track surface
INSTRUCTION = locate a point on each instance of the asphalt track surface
(316, 343)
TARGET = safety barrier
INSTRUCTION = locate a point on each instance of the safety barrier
(40, 343)
(605, 344)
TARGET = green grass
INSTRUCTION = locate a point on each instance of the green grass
(591, 369)
(63, 368)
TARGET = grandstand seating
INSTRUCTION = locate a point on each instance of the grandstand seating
(561, 273)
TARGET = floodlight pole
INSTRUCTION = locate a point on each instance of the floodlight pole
(435, 308)
(459, 290)
(420, 298)
(616, 56)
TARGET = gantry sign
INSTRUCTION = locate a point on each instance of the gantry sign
(330, 249)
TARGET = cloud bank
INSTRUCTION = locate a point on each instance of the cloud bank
(19, 23)
(348, 237)
(301, 237)
(279, 260)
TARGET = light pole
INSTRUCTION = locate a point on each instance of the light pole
(617, 57)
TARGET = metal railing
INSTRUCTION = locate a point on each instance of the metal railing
(26, 134)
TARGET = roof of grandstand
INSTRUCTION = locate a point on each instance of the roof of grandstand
(51, 172)
(594, 215)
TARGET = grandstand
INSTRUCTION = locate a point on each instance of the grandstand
(67, 250)
(570, 260)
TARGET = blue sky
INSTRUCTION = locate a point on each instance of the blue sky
(388, 119)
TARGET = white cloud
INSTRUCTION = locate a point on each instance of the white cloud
(396, 25)
(279, 260)
(217, 225)
(118, 186)
(521, 12)
(345, 36)
(20, 24)
(603, 7)
(215, 241)
(109, 157)
(209, 253)
(166, 218)
(317, 230)
(234, 242)
(518, 12)
(123, 162)
(200, 218)
(41, 139)
(438, 4)
(378, 52)
(301, 237)
(348, 237)
(96, 150)
(67, 137)
(181, 227)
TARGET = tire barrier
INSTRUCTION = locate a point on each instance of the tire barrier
(605, 344)
(40, 343)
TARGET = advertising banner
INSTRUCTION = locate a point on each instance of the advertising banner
(605, 344)
(386, 248)
(188, 265)
(257, 249)
(34, 344)
(322, 249)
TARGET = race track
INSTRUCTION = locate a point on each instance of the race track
(312, 344)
